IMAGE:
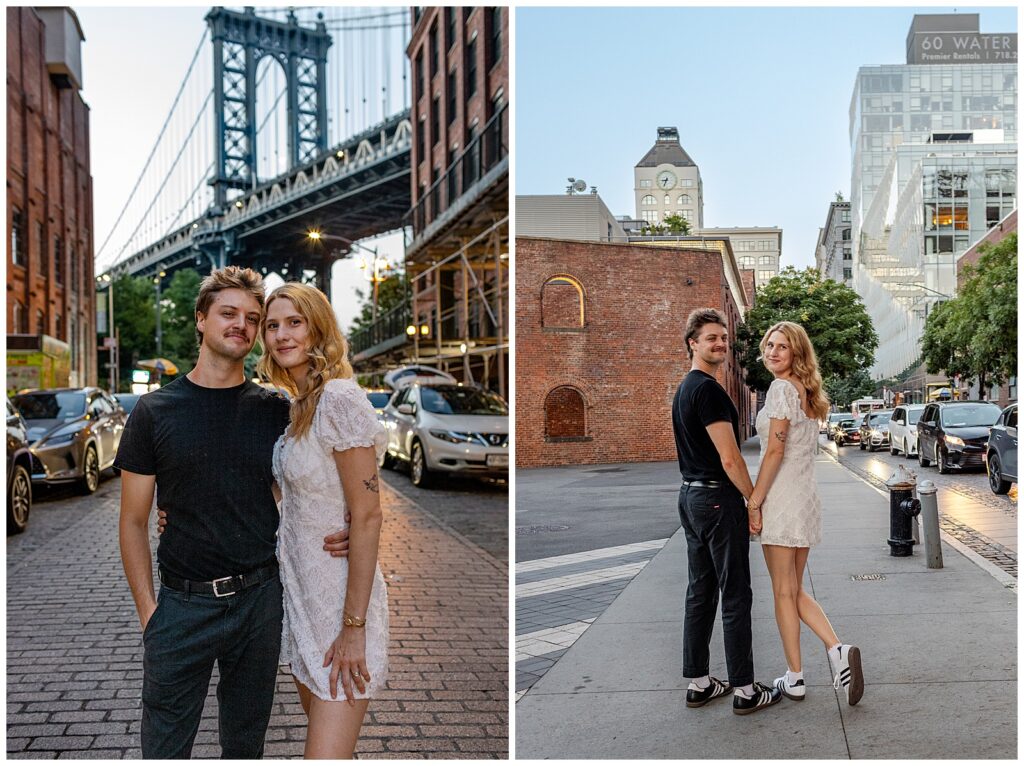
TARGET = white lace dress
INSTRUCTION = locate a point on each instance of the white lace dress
(791, 511)
(313, 506)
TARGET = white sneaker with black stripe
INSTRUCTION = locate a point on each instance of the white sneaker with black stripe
(797, 691)
(764, 696)
(849, 676)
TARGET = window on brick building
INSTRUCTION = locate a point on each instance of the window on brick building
(73, 266)
(434, 67)
(453, 96)
(58, 324)
(562, 304)
(17, 237)
(435, 121)
(58, 261)
(470, 69)
(42, 249)
(421, 137)
(19, 318)
(419, 76)
(40, 322)
(564, 414)
(449, 26)
(495, 49)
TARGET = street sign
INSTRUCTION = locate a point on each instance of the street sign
(109, 342)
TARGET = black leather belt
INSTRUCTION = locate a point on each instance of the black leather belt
(699, 483)
(222, 586)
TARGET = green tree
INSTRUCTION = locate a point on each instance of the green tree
(842, 391)
(392, 292)
(676, 224)
(178, 321)
(831, 313)
(975, 334)
(135, 321)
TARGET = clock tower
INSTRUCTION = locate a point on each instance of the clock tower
(667, 182)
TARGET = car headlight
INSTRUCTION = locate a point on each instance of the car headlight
(954, 440)
(454, 437)
(58, 439)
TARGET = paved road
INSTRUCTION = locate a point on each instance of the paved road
(74, 651)
(476, 508)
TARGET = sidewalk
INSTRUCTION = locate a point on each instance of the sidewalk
(74, 650)
(939, 649)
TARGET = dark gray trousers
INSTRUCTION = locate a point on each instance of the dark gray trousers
(183, 639)
(718, 547)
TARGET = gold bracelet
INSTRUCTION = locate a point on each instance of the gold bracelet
(350, 621)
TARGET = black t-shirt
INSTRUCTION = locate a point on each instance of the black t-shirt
(210, 450)
(699, 402)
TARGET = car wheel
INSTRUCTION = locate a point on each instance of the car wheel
(925, 462)
(90, 480)
(19, 502)
(863, 446)
(418, 470)
(940, 460)
(893, 449)
(995, 478)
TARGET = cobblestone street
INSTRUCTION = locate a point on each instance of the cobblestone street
(74, 648)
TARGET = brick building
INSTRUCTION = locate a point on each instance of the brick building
(599, 347)
(50, 288)
(457, 261)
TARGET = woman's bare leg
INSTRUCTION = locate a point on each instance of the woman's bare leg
(304, 695)
(781, 563)
(333, 728)
(810, 612)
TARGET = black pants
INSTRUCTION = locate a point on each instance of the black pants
(182, 640)
(718, 546)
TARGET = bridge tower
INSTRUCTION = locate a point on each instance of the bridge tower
(240, 41)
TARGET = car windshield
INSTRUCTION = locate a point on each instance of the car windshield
(880, 419)
(457, 400)
(913, 416)
(378, 400)
(51, 406)
(967, 415)
(837, 416)
(847, 424)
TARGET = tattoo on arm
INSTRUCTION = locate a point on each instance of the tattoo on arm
(371, 484)
(780, 436)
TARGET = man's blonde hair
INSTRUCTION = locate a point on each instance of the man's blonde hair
(230, 277)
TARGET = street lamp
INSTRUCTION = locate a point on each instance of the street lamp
(417, 331)
(380, 268)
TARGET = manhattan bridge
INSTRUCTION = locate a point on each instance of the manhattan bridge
(285, 123)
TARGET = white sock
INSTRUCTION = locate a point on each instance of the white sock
(745, 691)
(793, 676)
(833, 654)
(701, 683)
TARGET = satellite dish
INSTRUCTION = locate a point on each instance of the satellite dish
(580, 186)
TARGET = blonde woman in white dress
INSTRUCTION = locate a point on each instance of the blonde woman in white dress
(335, 630)
(785, 497)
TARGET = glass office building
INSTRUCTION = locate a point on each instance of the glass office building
(934, 150)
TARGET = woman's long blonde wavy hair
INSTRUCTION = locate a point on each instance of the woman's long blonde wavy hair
(805, 364)
(328, 352)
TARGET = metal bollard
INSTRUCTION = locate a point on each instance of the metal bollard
(903, 507)
(930, 521)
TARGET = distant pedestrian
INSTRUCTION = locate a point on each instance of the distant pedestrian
(716, 523)
(204, 443)
(787, 495)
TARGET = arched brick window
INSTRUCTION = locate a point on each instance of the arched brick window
(562, 303)
(564, 414)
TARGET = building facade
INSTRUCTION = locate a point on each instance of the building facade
(667, 182)
(596, 366)
(758, 248)
(457, 261)
(934, 146)
(834, 253)
(50, 289)
(567, 216)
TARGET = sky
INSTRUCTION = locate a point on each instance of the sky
(760, 96)
(133, 62)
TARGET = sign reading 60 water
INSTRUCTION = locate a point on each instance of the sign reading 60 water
(963, 48)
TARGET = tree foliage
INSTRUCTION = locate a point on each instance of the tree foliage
(831, 313)
(974, 335)
(842, 391)
(676, 224)
(392, 292)
(178, 320)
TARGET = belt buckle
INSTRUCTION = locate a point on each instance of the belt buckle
(216, 590)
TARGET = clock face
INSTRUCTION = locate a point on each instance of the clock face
(666, 179)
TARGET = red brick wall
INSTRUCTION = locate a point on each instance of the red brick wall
(626, 361)
(49, 181)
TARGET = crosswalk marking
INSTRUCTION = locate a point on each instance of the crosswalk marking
(599, 553)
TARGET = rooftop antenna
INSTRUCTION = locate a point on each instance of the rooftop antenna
(576, 187)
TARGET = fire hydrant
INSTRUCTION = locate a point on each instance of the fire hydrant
(903, 507)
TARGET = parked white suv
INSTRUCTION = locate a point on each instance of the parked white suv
(447, 428)
(903, 429)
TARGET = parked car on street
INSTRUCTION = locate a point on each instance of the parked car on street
(19, 472)
(127, 401)
(379, 398)
(955, 434)
(1001, 452)
(874, 430)
(447, 428)
(846, 432)
(829, 426)
(903, 429)
(74, 434)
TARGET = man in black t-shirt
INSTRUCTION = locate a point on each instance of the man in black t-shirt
(204, 444)
(716, 522)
